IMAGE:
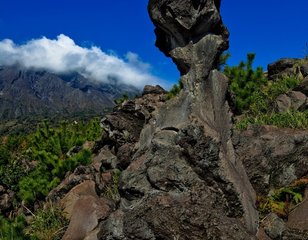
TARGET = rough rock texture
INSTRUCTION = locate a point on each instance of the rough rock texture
(293, 100)
(304, 69)
(284, 67)
(273, 226)
(192, 33)
(123, 126)
(272, 157)
(39, 93)
(184, 181)
(84, 209)
(298, 217)
(83, 194)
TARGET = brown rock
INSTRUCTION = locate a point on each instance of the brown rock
(298, 100)
(282, 103)
(282, 67)
(261, 235)
(184, 181)
(104, 158)
(106, 177)
(84, 209)
(304, 69)
(298, 218)
(293, 100)
(125, 153)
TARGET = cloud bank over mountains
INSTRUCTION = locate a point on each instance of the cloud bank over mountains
(63, 55)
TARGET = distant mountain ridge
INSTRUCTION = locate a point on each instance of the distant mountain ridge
(29, 92)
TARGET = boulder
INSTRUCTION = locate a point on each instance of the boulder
(84, 209)
(293, 100)
(273, 226)
(272, 157)
(148, 89)
(282, 103)
(282, 67)
(304, 69)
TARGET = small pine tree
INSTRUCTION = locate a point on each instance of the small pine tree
(244, 81)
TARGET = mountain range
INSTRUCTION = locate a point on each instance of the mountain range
(29, 92)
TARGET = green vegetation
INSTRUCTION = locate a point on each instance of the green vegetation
(244, 81)
(31, 165)
(262, 98)
(175, 90)
(289, 119)
(11, 171)
(50, 148)
(112, 190)
(48, 223)
(283, 200)
(12, 229)
(254, 97)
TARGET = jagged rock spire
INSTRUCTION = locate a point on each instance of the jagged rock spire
(191, 33)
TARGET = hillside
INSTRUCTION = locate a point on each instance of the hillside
(32, 94)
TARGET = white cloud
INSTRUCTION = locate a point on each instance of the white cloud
(63, 55)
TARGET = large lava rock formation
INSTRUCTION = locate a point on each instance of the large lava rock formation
(184, 181)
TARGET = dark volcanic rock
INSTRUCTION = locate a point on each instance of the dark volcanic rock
(184, 181)
(273, 157)
(192, 33)
(282, 67)
(123, 126)
(304, 69)
(288, 67)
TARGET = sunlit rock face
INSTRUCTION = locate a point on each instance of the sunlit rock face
(184, 181)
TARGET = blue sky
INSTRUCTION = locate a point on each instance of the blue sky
(270, 28)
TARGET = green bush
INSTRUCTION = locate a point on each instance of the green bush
(49, 147)
(254, 96)
(244, 81)
(11, 174)
(12, 229)
(289, 119)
